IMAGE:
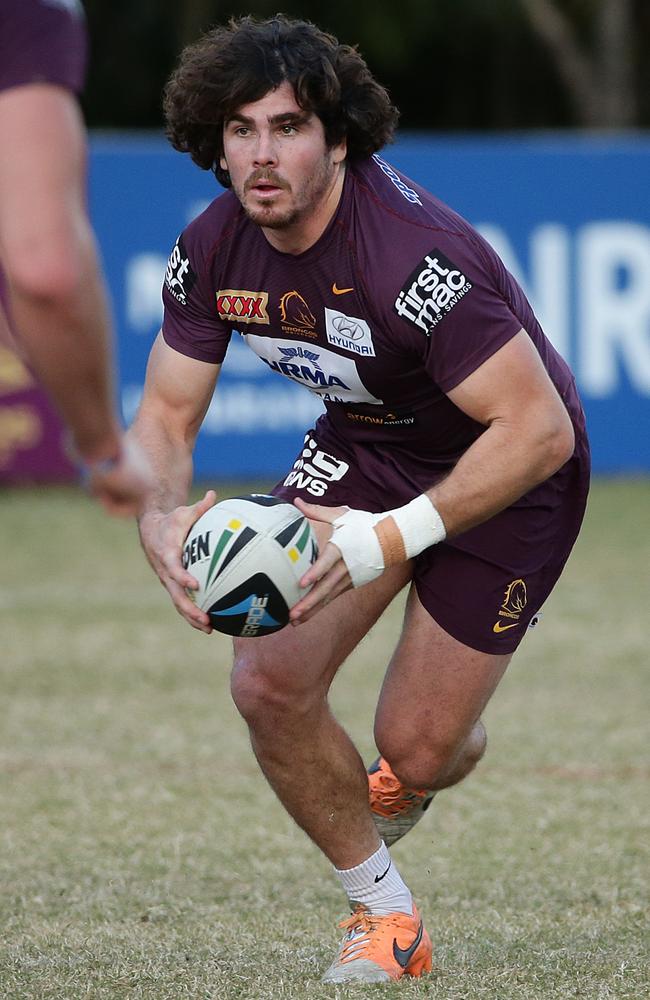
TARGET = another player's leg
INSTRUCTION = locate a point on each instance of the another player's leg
(427, 724)
(280, 686)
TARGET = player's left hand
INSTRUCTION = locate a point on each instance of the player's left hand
(352, 557)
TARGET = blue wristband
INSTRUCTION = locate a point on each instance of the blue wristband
(101, 467)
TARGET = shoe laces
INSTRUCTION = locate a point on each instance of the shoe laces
(389, 797)
(358, 927)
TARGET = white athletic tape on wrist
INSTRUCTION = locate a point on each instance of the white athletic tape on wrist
(364, 549)
(420, 525)
(355, 537)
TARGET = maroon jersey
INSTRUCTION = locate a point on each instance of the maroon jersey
(42, 41)
(398, 301)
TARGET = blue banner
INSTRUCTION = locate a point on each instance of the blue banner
(570, 217)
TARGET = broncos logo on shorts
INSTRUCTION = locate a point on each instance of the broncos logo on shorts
(515, 599)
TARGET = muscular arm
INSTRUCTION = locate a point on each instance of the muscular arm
(48, 252)
(176, 396)
(528, 436)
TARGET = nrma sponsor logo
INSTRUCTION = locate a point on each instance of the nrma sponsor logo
(334, 378)
(302, 366)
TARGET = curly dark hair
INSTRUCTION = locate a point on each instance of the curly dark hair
(238, 64)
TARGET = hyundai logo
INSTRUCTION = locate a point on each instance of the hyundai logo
(348, 327)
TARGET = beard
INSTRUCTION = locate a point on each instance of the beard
(301, 203)
(271, 217)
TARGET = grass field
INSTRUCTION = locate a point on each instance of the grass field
(142, 856)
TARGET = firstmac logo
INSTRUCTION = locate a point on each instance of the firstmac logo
(179, 276)
(431, 291)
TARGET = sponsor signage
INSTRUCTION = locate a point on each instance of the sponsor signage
(332, 377)
(179, 276)
(349, 333)
(241, 306)
(432, 291)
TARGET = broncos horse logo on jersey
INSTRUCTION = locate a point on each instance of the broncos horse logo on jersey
(296, 316)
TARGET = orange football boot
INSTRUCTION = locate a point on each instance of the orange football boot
(395, 809)
(377, 949)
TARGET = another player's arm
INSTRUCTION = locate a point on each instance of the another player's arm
(528, 437)
(49, 254)
(176, 396)
(58, 299)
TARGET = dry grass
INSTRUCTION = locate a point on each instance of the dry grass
(142, 855)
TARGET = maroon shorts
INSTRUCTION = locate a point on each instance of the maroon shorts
(484, 587)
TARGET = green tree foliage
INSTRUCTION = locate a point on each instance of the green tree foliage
(449, 64)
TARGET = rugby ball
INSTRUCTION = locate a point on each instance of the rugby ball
(248, 554)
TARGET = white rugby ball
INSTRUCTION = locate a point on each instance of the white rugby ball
(248, 554)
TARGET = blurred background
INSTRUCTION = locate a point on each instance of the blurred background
(530, 117)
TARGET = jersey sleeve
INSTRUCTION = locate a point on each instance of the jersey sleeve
(43, 42)
(457, 296)
(191, 324)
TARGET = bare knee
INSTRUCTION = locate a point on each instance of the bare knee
(433, 763)
(263, 693)
(253, 690)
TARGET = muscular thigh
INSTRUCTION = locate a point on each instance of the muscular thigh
(436, 687)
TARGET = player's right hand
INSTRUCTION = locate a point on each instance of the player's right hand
(162, 537)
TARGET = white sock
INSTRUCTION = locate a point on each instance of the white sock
(377, 884)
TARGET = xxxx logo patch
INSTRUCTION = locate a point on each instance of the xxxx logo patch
(238, 305)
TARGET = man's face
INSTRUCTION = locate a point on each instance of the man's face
(280, 166)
